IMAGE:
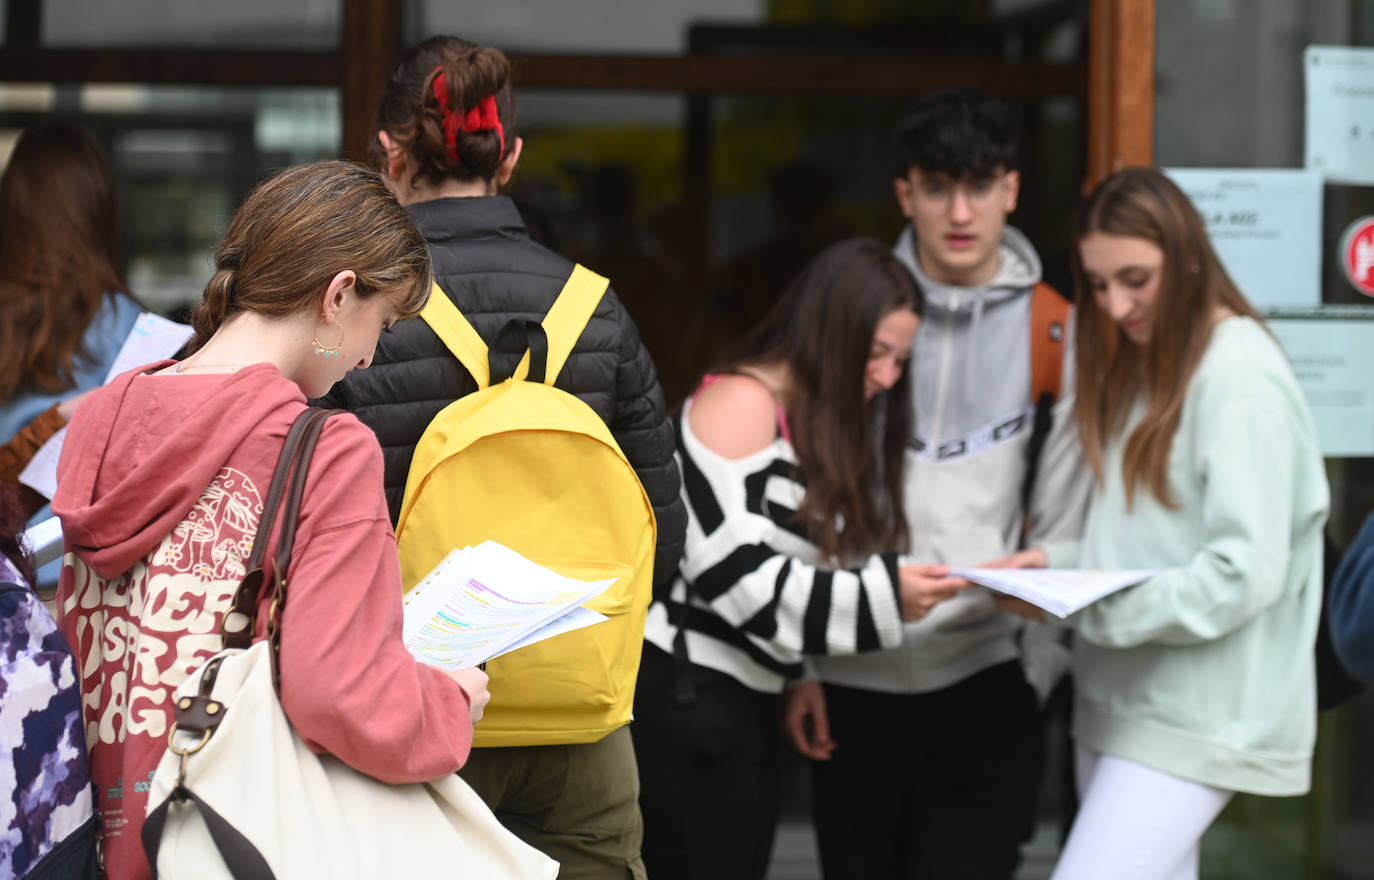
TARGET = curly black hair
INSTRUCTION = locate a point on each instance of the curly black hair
(960, 132)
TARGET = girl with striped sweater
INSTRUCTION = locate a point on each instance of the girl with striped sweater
(791, 452)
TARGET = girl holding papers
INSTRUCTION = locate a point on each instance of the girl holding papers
(1199, 682)
(792, 456)
(164, 478)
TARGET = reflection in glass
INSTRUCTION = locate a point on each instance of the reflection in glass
(246, 24)
(556, 25)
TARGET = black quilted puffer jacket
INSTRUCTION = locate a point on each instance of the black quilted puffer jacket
(487, 263)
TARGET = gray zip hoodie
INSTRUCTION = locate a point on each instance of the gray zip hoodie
(965, 466)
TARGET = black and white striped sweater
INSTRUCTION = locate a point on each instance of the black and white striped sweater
(750, 592)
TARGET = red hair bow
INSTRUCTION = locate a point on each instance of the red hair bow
(482, 117)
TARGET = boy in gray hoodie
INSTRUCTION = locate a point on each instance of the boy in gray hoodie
(929, 756)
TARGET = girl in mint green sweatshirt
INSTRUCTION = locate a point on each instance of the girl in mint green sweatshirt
(1198, 682)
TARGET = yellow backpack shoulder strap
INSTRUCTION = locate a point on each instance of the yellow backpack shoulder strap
(568, 316)
(455, 332)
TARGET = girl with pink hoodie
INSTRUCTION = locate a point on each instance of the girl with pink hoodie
(161, 486)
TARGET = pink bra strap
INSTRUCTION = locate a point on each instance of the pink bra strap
(712, 378)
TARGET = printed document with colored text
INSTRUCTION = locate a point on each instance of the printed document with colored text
(484, 601)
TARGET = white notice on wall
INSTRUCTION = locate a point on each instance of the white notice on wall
(1333, 358)
(1340, 113)
(1265, 225)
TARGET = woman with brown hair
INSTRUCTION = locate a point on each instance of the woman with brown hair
(64, 306)
(162, 484)
(792, 454)
(1199, 682)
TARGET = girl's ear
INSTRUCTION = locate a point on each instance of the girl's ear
(336, 294)
(506, 169)
(395, 156)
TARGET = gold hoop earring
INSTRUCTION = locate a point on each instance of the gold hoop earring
(328, 350)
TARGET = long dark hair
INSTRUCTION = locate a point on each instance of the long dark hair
(1113, 370)
(410, 111)
(11, 527)
(61, 252)
(822, 330)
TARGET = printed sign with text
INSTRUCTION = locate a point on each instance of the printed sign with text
(1340, 113)
(1332, 352)
(1265, 224)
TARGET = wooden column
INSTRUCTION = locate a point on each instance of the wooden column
(1121, 86)
(371, 46)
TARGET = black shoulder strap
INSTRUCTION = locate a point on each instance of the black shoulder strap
(240, 856)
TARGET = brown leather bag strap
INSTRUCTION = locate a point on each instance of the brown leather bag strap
(287, 539)
(236, 627)
(239, 621)
(292, 508)
(276, 489)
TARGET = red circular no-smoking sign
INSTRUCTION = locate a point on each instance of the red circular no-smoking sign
(1357, 254)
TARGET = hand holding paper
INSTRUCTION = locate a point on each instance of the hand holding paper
(1059, 591)
(473, 681)
(922, 587)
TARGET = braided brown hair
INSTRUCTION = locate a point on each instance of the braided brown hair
(299, 229)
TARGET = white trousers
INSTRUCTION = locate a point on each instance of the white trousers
(1135, 823)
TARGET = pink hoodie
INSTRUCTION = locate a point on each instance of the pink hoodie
(160, 489)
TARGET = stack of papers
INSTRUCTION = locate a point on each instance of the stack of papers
(484, 601)
(1059, 591)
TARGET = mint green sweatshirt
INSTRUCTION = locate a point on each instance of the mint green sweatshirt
(1205, 671)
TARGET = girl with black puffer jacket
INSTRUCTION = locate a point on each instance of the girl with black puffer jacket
(447, 145)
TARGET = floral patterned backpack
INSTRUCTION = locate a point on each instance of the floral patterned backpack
(47, 821)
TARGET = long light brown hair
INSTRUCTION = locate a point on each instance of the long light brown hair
(300, 228)
(1113, 370)
(822, 330)
(61, 253)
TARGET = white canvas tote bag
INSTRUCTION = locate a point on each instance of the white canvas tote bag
(239, 795)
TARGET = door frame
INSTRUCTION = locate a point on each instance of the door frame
(1121, 90)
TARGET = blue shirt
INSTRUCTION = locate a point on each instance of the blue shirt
(103, 338)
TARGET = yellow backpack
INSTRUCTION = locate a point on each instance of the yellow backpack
(535, 468)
